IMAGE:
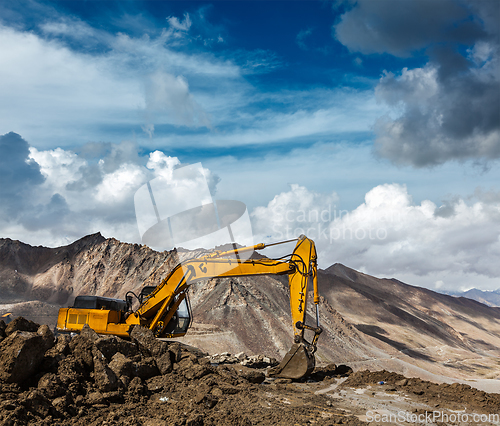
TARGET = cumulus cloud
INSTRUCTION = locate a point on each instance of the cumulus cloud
(448, 109)
(116, 187)
(59, 167)
(53, 197)
(387, 235)
(390, 235)
(441, 119)
(163, 166)
(400, 28)
(298, 211)
(46, 216)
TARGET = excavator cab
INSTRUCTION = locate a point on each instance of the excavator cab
(181, 320)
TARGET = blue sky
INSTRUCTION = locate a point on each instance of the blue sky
(383, 112)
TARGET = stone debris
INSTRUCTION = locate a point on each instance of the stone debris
(94, 380)
(22, 352)
(70, 379)
(252, 361)
(21, 324)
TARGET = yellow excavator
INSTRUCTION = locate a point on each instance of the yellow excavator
(165, 309)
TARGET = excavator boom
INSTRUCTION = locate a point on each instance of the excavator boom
(159, 309)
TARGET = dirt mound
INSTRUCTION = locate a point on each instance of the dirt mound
(451, 395)
(92, 380)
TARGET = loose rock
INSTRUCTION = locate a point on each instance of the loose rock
(21, 324)
(20, 355)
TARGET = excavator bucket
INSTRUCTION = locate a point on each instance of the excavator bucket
(297, 363)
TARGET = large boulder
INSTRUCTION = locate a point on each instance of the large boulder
(146, 368)
(36, 402)
(21, 324)
(110, 345)
(104, 377)
(22, 352)
(164, 353)
(89, 333)
(121, 365)
(164, 363)
(81, 347)
(147, 341)
(61, 346)
(51, 386)
(71, 372)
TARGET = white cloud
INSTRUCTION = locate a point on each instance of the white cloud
(163, 165)
(75, 196)
(449, 108)
(301, 38)
(390, 235)
(166, 93)
(120, 185)
(78, 197)
(419, 84)
(51, 84)
(82, 94)
(59, 167)
(179, 27)
(112, 85)
(298, 209)
(311, 116)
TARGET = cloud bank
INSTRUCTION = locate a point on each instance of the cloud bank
(448, 109)
(55, 196)
(390, 235)
(160, 87)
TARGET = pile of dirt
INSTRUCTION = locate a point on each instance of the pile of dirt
(104, 380)
(453, 396)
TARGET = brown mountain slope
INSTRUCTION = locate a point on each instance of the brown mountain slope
(420, 313)
(91, 265)
(441, 334)
(251, 314)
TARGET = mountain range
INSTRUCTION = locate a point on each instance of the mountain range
(490, 298)
(368, 322)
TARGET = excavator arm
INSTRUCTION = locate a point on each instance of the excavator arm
(162, 303)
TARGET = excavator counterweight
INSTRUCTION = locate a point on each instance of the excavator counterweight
(164, 308)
